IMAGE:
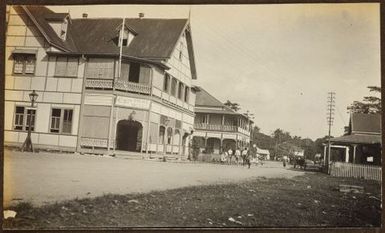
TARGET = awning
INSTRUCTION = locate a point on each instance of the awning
(25, 51)
(358, 139)
(263, 151)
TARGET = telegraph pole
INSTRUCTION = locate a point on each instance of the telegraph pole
(330, 117)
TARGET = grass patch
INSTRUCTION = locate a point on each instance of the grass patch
(311, 200)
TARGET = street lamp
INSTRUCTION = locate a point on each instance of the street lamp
(27, 145)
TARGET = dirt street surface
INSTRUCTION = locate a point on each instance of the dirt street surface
(44, 178)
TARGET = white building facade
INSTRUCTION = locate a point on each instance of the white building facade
(91, 95)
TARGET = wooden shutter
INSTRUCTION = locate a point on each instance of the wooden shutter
(72, 67)
(144, 75)
(60, 68)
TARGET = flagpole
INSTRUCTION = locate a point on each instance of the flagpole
(121, 48)
(113, 89)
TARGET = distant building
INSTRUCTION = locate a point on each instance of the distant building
(90, 97)
(300, 153)
(362, 142)
(217, 127)
(265, 154)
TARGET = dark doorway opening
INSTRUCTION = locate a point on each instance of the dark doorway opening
(129, 135)
(134, 72)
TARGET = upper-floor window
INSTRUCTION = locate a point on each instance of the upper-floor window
(63, 31)
(61, 120)
(23, 116)
(24, 63)
(186, 94)
(100, 68)
(59, 24)
(180, 91)
(125, 37)
(166, 82)
(66, 66)
(173, 86)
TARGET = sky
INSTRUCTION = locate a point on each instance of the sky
(277, 61)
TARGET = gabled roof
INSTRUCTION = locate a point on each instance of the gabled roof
(155, 38)
(206, 103)
(205, 99)
(38, 16)
(365, 123)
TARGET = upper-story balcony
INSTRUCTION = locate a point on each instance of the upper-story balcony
(126, 86)
(227, 128)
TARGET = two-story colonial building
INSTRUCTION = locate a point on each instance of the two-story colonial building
(217, 127)
(103, 83)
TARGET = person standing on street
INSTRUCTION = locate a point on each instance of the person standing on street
(284, 160)
(237, 155)
(230, 155)
(246, 157)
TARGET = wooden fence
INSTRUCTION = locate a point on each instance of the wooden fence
(368, 172)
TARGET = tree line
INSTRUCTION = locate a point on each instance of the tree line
(281, 143)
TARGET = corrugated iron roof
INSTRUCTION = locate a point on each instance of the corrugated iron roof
(154, 39)
(366, 123)
(358, 139)
(38, 14)
(215, 111)
(56, 16)
(203, 98)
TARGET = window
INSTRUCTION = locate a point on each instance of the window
(61, 120)
(169, 136)
(63, 31)
(180, 91)
(126, 39)
(173, 86)
(186, 94)
(66, 66)
(134, 73)
(100, 68)
(22, 117)
(162, 130)
(24, 64)
(166, 82)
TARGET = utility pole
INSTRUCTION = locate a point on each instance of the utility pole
(330, 117)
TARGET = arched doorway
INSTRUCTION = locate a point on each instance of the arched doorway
(228, 144)
(213, 145)
(129, 135)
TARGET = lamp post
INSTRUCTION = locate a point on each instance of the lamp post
(27, 145)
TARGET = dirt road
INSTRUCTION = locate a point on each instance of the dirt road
(43, 178)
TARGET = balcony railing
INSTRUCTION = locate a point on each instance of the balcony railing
(126, 86)
(230, 128)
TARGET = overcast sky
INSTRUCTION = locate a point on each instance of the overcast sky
(277, 61)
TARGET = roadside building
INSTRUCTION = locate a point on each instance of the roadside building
(361, 143)
(104, 84)
(358, 152)
(263, 153)
(217, 127)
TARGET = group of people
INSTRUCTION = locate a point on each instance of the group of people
(237, 156)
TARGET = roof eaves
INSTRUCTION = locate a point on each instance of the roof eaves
(41, 30)
(190, 48)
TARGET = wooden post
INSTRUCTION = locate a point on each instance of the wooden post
(354, 153)
(325, 155)
(346, 154)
